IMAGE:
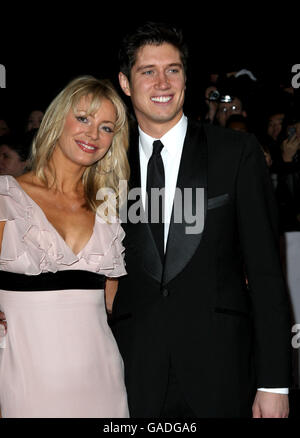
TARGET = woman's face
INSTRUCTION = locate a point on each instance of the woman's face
(4, 129)
(275, 125)
(86, 139)
(34, 120)
(10, 162)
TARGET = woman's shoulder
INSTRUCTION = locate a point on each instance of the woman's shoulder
(13, 201)
(29, 182)
(7, 185)
(19, 188)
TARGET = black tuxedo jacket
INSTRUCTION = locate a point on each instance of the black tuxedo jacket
(195, 310)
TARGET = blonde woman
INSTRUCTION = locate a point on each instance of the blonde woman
(59, 357)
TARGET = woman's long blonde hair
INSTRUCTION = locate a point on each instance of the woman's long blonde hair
(113, 167)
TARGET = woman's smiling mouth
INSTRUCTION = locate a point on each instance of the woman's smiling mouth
(86, 147)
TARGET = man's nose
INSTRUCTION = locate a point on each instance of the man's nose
(162, 81)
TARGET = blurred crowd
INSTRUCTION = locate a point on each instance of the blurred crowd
(15, 143)
(240, 101)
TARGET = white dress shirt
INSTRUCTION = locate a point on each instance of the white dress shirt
(171, 155)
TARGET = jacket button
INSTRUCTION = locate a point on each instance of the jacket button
(165, 292)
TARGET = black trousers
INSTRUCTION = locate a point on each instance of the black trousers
(175, 405)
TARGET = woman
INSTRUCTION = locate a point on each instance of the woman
(14, 154)
(34, 120)
(60, 358)
(4, 128)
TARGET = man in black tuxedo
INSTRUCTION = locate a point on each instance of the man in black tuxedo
(196, 340)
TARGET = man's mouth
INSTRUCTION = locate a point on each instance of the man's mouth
(161, 99)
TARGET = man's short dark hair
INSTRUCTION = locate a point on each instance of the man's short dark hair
(150, 34)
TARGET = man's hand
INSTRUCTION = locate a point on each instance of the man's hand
(270, 405)
(3, 324)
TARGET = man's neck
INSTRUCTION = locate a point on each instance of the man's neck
(158, 129)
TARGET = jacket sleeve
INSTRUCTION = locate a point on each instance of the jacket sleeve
(259, 236)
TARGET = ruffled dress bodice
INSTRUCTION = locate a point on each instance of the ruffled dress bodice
(31, 245)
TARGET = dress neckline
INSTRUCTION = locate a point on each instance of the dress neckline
(41, 211)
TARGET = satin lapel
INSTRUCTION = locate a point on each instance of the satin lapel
(140, 233)
(192, 175)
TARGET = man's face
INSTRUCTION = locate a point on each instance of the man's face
(227, 109)
(156, 88)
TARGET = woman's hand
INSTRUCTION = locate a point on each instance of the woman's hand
(289, 148)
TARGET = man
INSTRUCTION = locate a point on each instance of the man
(195, 340)
(227, 109)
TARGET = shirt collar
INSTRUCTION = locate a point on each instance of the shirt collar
(172, 140)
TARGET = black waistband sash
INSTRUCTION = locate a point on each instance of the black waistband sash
(61, 280)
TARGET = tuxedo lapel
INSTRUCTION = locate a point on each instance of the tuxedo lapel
(192, 175)
(180, 246)
(140, 234)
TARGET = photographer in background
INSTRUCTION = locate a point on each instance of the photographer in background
(221, 105)
(211, 96)
(229, 94)
(288, 177)
(231, 101)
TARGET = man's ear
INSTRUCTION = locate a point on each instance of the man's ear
(124, 83)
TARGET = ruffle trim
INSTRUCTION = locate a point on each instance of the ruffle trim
(45, 250)
(15, 203)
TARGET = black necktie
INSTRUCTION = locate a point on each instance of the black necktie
(156, 180)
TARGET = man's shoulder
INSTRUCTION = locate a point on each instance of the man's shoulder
(218, 132)
(217, 136)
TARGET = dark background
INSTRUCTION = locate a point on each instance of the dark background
(50, 49)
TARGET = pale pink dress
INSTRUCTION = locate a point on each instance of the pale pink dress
(59, 357)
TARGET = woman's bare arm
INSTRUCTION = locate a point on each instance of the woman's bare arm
(2, 225)
(2, 316)
(110, 292)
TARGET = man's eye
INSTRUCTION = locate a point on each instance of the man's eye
(148, 72)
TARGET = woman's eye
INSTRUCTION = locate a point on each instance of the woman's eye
(82, 119)
(107, 129)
